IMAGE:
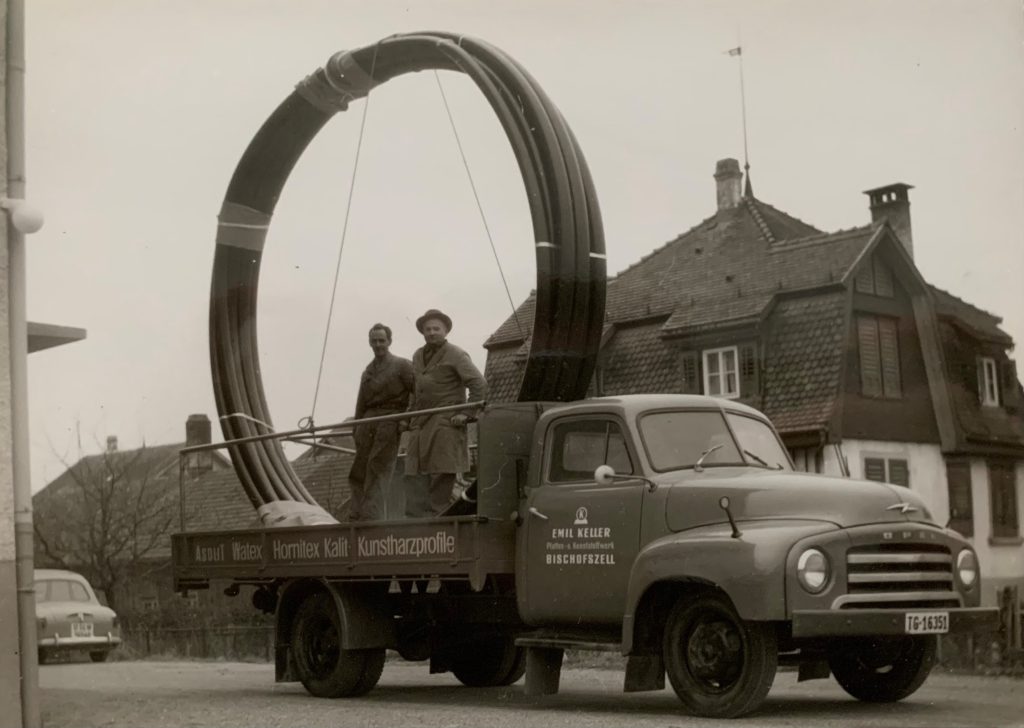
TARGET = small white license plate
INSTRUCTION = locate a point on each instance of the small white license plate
(926, 623)
(81, 629)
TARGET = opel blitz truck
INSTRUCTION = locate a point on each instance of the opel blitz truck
(672, 529)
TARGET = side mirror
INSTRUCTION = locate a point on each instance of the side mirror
(604, 474)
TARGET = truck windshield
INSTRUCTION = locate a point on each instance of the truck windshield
(676, 440)
(759, 444)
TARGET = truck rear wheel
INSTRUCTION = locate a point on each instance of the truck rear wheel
(719, 665)
(324, 668)
(491, 662)
(882, 670)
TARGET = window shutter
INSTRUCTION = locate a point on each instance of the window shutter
(979, 364)
(888, 339)
(883, 279)
(899, 473)
(1003, 494)
(874, 469)
(1011, 389)
(864, 281)
(689, 370)
(870, 374)
(961, 506)
(749, 384)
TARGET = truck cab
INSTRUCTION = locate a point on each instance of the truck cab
(678, 524)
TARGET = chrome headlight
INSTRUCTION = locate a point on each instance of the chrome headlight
(967, 568)
(813, 570)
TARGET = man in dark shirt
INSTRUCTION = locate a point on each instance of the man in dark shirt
(384, 389)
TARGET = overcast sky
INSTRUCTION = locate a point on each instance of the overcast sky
(138, 111)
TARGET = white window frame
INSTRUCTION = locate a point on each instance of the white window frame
(723, 373)
(988, 385)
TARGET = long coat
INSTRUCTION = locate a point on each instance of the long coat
(435, 444)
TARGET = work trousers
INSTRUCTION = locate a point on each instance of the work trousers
(428, 494)
(374, 464)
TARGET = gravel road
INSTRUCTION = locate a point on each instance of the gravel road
(220, 694)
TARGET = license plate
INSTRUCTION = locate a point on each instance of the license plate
(926, 623)
(81, 629)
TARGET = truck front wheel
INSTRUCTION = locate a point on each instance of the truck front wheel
(323, 667)
(491, 662)
(882, 670)
(719, 665)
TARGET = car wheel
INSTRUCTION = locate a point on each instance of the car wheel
(98, 655)
(882, 670)
(490, 662)
(324, 668)
(719, 665)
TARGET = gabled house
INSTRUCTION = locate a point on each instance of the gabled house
(864, 367)
(110, 514)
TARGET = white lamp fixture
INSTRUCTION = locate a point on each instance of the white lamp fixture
(25, 217)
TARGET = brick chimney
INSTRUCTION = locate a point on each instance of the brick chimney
(111, 443)
(197, 432)
(892, 203)
(728, 183)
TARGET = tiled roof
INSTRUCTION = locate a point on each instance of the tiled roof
(504, 373)
(982, 324)
(637, 360)
(803, 360)
(144, 462)
(726, 269)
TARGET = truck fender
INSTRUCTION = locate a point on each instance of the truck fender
(363, 608)
(749, 569)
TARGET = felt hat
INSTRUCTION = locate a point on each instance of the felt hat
(433, 314)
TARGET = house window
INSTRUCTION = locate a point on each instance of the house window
(149, 604)
(887, 470)
(878, 342)
(961, 506)
(988, 381)
(190, 599)
(721, 372)
(1002, 485)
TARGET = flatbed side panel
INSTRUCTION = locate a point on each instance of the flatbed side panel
(465, 546)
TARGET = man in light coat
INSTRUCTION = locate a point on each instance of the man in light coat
(437, 447)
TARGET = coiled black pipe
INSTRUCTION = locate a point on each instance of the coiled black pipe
(563, 208)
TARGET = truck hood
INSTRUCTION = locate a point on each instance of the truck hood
(693, 500)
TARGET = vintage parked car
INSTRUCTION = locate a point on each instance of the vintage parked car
(70, 617)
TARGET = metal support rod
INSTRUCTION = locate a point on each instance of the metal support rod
(341, 426)
(23, 534)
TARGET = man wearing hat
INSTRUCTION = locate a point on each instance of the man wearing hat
(437, 448)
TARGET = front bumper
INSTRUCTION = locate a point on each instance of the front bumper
(863, 622)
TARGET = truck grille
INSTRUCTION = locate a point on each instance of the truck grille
(899, 576)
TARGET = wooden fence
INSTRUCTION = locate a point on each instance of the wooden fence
(204, 642)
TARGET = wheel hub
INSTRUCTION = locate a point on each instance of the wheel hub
(714, 652)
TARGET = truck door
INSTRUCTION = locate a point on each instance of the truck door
(579, 539)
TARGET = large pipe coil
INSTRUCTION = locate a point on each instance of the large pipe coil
(568, 236)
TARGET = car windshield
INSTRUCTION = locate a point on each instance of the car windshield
(60, 590)
(758, 442)
(677, 440)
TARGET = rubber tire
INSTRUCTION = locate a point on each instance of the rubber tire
(858, 667)
(759, 653)
(99, 655)
(316, 638)
(491, 662)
